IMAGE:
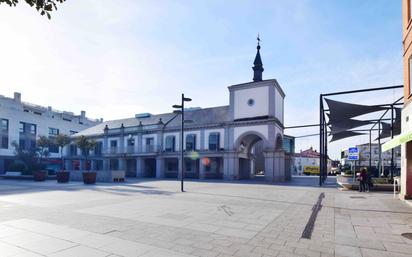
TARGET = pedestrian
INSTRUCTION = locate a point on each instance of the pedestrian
(363, 180)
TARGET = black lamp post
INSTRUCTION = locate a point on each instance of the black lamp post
(181, 110)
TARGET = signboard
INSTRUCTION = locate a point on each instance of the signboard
(401, 139)
(353, 154)
(313, 170)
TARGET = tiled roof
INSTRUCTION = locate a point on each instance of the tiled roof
(214, 115)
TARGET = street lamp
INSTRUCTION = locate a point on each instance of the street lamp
(181, 110)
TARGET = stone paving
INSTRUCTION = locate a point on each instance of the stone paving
(212, 218)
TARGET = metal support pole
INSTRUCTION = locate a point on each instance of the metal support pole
(320, 139)
(379, 148)
(392, 166)
(181, 144)
(370, 151)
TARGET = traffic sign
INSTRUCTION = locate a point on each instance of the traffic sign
(353, 154)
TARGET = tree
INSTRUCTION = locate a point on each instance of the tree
(85, 145)
(42, 6)
(42, 147)
(26, 157)
(61, 141)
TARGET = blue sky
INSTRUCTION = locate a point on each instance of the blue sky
(116, 60)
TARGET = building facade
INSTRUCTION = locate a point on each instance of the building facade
(307, 161)
(406, 159)
(23, 123)
(236, 141)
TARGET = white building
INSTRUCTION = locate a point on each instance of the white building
(307, 160)
(23, 123)
(364, 153)
(220, 143)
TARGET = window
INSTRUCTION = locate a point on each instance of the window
(170, 144)
(130, 142)
(72, 132)
(22, 144)
(65, 119)
(98, 148)
(4, 142)
(27, 128)
(53, 131)
(113, 143)
(53, 148)
(191, 142)
(73, 150)
(149, 144)
(114, 164)
(4, 125)
(21, 127)
(214, 140)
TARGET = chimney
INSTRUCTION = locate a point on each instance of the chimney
(17, 97)
(83, 114)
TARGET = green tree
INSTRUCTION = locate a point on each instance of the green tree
(85, 145)
(42, 6)
(62, 140)
(27, 157)
(42, 147)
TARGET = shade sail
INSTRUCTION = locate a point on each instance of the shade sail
(386, 127)
(344, 134)
(344, 111)
(346, 124)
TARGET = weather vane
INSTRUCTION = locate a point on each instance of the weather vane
(258, 39)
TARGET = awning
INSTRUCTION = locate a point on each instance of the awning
(401, 139)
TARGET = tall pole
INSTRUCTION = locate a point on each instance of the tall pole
(379, 148)
(181, 144)
(392, 166)
(325, 152)
(370, 150)
(320, 139)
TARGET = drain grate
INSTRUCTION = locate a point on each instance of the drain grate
(407, 235)
(357, 197)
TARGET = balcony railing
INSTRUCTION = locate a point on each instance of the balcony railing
(130, 149)
(150, 148)
(113, 150)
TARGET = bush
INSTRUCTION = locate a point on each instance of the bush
(16, 166)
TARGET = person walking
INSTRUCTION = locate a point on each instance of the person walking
(363, 180)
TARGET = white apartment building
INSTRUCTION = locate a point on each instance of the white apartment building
(364, 153)
(23, 123)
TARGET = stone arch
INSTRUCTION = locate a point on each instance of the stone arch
(250, 147)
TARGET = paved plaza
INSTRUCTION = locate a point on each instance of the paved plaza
(153, 218)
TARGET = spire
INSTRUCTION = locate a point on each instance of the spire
(258, 65)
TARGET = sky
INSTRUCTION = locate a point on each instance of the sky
(118, 58)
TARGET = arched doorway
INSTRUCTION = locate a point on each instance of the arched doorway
(250, 148)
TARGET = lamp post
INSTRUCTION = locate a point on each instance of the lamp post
(181, 110)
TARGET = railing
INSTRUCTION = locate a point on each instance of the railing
(150, 148)
(113, 150)
(130, 149)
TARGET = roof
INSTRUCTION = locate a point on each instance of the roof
(309, 153)
(214, 115)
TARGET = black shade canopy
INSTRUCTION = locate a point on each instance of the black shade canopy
(346, 124)
(344, 111)
(344, 134)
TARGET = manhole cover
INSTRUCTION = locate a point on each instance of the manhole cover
(358, 197)
(407, 235)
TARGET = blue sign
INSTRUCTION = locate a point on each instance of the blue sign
(353, 154)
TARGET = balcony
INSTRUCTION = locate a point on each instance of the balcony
(150, 149)
(130, 149)
(113, 150)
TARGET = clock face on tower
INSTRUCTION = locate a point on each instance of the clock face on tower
(251, 102)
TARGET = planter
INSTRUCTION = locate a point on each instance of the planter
(63, 176)
(39, 175)
(89, 177)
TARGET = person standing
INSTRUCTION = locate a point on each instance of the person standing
(363, 180)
